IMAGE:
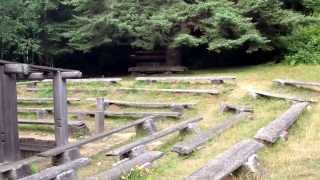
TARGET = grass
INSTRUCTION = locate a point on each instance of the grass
(298, 158)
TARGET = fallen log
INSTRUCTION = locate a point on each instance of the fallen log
(186, 78)
(296, 83)
(227, 162)
(53, 172)
(146, 104)
(235, 108)
(125, 167)
(190, 91)
(272, 132)
(188, 146)
(125, 150)
(256, 93)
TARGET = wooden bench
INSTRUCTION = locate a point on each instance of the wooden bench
(215, 80)
(257, 93)
(190, 145)
(188, 91)
(124, 167)
(279, 127)
(43, 100)
(90, 80)
(227, 162)
(296, 83)
(74, 126)
(124, 151)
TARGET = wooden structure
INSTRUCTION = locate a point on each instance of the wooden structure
(297, 83)
(124, 151)
(235, 108)
(227, 162)
(90, 80)
(211, 79)
(124, 167)
(10, 73)
(188, 146)
(257, 93)
(279, 127)
(43, 100)
(156, 61)
(187, 91)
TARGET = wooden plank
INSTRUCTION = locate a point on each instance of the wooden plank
(127, 148)
(18, 68)
(49, 122)
(186, 78)
(53, 172)
(90, 80)
(146, 104)
(36, 145)
(273, 131)
(227, 162)
(161, 68)
(256, 93)
(9, 141)
(190, 145)
(43, 100)
(125, 167)
(190, 91)
(60, 109)
(28, 83)
(296, 83)
(93, 138)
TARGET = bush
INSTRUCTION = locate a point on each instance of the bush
(304, 46)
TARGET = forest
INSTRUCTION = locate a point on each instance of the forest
(52, 32)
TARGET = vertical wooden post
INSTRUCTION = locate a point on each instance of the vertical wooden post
(100, 115)
(60, 109)
(9, 142)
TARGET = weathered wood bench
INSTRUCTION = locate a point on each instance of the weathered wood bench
(124, 151)
(74, 126)
(124, 167)
(256, 93)
(188, 91)
(190, 145)
(215, 80)
(146, 104)
(64, 171)
(156, 69)
(43, 100)
(235, 108)
(227, 162)
(296, 83)
(279, 127)
(30, 146)
(90, 80)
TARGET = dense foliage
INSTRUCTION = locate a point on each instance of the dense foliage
(43, 29)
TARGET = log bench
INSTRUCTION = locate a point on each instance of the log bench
(124, 167)
(279, 127)
(235, 108)
(188, 91)
(43, 100)
(74, 126)
(190, 145)
(227, 162)
(257, 93)
(90, 80)
(296, 83)
(214, 80)
(124, 151)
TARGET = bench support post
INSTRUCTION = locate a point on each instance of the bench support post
(100, 115)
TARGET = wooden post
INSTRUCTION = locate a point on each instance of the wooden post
(9, 142)
(100, 115)
(60, 109)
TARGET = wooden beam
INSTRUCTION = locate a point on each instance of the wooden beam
(60, 109)
(227, 162)
(127, 148)
(235, 108)
(93, 138)
(272, 132)
(125, 167)
(256, 93)
(90, 80)
(296, 83)
(18, 68)
(161, 68)
(42, 100)
(53, 172)
(9, 138)
(190, 91)
(188, 146)
(186, 78)
(146, 104)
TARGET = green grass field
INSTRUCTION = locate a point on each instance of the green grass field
(298, 158)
